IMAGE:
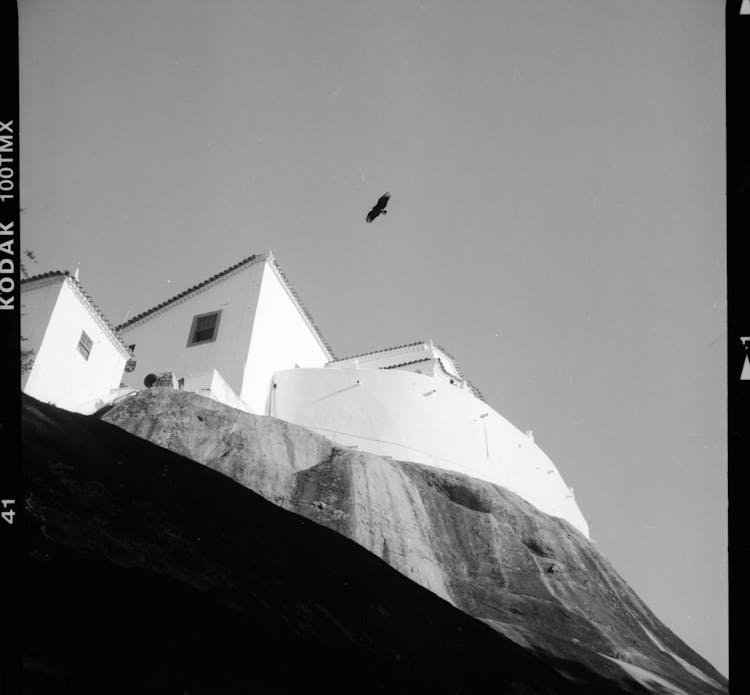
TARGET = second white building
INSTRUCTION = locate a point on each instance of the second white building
(227, 335)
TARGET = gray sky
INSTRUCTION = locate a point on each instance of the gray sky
(557, 220)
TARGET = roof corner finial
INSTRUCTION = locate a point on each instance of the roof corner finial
(77, 272)
(270, 257)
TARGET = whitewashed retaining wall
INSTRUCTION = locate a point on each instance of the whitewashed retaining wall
(424, 419)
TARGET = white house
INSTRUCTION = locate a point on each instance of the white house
(412, 403)
(77, 356)
(227, 335)
(243, 337)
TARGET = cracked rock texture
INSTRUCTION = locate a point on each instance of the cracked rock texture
(145, 572)
(532, 577)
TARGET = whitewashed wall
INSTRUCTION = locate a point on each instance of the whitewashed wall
(211, 385)
(161, 340)
(419, 418)
(38, 300)
(54, 315)
(281, 339)
(261, 330)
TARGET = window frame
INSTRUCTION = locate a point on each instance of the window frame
(191, 342)
(83, 349)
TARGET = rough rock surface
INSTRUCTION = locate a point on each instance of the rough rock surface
(530, 576)
(148, 573)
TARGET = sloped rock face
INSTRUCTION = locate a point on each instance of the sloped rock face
(532, 577)
(148, 573)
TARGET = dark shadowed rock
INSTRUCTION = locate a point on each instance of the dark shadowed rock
(149, 573)
(532, 577)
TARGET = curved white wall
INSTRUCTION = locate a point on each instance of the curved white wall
(419, 418)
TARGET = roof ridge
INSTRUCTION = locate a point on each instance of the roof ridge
(47, 274)
(180, 295)
(473, 388)
(404, 364)
(452, 359)
(374, 352)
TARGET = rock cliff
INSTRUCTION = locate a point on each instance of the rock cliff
(541, 586)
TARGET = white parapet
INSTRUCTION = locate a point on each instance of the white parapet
(415, 417)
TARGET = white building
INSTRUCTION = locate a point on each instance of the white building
(77, 356)
(227, 335)
(412, 403)
(244, 338)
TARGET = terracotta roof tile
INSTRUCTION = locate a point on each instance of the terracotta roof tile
(374, 352)
(171, 300)
(406, 364)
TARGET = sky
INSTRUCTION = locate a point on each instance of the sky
(557, 220)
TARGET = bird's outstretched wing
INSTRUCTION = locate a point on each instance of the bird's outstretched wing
(378, 208)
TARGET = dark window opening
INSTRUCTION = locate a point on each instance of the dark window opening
(84, 345)
(204, 328)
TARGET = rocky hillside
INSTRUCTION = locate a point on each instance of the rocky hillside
(123, 513)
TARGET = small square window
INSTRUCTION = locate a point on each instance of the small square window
(84, 345)
(130, 364)
(204, 328)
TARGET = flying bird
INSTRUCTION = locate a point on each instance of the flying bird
(379, 208)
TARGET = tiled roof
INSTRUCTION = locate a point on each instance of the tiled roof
(256, 257)
(406, 364)
(66, 274)
(452, 359)
(184, 293)
(471, 386)
(374, 352)
(48, 274)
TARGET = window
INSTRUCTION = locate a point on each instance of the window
(204, 328)
(84, 345)
(130, 364)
